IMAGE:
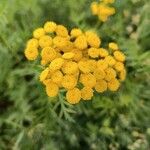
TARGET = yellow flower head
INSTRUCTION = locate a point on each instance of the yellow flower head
(84, 66)
(110, 60)
(38, 33)
(104, 12)
(88, 80)
(68, 47)
(68, 55)
(102, 64)
(122, 75)
(57, 77)
(119, 56)
(81, 42)
(61, 31)
(60, 42)
(113, 46)
(113, 85)
(70, 67)
(103, 52)
(45, 41)
(93, 65)
(93, 52)
(94, 8)
(44, 74)
(102, 9)
(101, 86)
(48, 54)
(110, 74)
(76, 32)
(31, 53)
(69, 81)
(50, 27)
(87, 93)
(32, 43)
(77, 55)
(73, 96)
(92, 39)
(75, 59)
(52, 89)
(99, 74)
(56, 64)
(119, 66)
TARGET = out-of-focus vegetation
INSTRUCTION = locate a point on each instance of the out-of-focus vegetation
(29, 120)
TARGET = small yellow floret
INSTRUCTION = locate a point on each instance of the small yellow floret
(81, 42)
(87, 93)
(94, 8)
(50, 27)
(75, 32)
(93, 39)
(110, 60)
(32, 43)
(102, 64)
(73, 96)
(104, 11)
(44, 74)
(113, 85)
(48, 54)
(31, 53)
(99, 74)
(68, 47)
(93, 52)
(101, 86)
(56, 77)
(84, 66)
(110, 74)
(88, 80)
(61, 31)
(45, 41)
(103, 52)
(70, 67)
(56, 64)
(92, 64)
(122, 75)
(119, 56)
(119, 66)
(59, 41)
(113, 46)
(39, 32)
(69, 81)
(52, 89)
(68, 55)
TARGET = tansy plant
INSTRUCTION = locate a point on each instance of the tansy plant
(102, 9)
(75, 62)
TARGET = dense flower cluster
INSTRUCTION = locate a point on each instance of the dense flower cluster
(102, 9)
(75, 62)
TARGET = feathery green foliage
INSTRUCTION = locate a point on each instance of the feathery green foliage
(30, 120)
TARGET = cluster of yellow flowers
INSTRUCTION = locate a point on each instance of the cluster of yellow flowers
(75, 61)
(102, 9)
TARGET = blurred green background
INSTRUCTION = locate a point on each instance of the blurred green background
(29, 120)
